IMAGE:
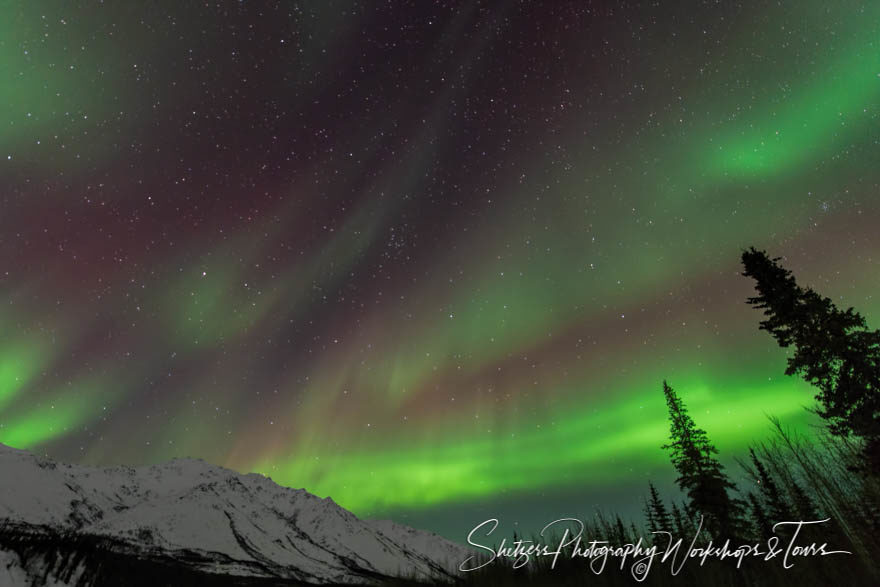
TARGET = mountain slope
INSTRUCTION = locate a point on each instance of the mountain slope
(66, 523)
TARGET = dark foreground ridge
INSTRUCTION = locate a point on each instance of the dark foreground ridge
(79, 560)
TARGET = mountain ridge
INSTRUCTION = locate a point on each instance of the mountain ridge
(62, 523)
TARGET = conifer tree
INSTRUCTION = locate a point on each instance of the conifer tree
(700, 476)
(763, 525)
(635, 531)
(803, 505)
(778, 509)
(833, 351)
(649, 515)
(659, 518)
(619, 530)
(682, 525)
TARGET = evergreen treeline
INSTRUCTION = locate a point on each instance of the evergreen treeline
(833, 350)
(834, 476)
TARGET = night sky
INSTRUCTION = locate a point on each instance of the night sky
(432, 259)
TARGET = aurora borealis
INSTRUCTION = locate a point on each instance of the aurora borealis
(432, 259)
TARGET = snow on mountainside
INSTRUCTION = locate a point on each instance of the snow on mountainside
(187, 515)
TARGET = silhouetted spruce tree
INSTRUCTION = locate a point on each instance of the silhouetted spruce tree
(762, 524)
(649, 515)
(700, 476)
(619, 531)
(834, 351)
(682, 525)
(803, 505)
(635, 531)
(778, 510)
(659, 518)
(604, 526)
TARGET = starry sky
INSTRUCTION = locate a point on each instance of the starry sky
(432, 259)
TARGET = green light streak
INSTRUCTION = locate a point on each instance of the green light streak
(42, 424)
(18, 366)
(816, 120)
(577, 445)
(57, 414)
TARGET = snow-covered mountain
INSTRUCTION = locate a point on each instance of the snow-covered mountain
(188, 522)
